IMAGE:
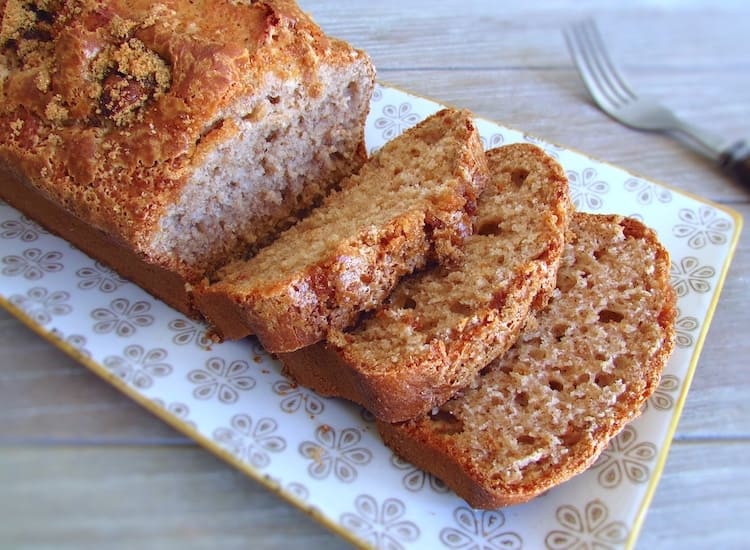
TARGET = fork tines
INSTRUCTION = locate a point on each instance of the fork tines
(599, 74)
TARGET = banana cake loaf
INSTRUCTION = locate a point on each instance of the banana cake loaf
(441, 326)
(167, 138)
(410, 203)
(582, 368)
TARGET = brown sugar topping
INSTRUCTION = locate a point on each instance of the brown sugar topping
(125, 72)
(27, 30)
(131, 75)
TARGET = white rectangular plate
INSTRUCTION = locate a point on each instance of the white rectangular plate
(232, 399)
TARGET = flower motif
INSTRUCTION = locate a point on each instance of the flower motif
(377, 93)
(42, 305)
(683, 327)
(416, 479)
(625, 457)
(32, 264)
(223, 379)
(549, 148)
(479, 530)
(590, 530)
(99, 276)
(251, 442)
(294, 398)
(23, 228)
(189, 332)
(396, 119)
(139, 367)
(662, 398)
(495, 140)
(689, 274)
(122, 318)
(381, 527)
(647, 193)
(586, 189)
(335, 453)
(702, 227)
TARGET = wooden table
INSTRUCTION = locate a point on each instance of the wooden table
(81, 466)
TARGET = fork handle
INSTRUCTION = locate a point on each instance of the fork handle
(735, 160)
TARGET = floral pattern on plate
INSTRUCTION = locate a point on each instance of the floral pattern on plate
(234, 400)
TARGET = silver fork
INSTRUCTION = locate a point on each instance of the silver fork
(616, 97)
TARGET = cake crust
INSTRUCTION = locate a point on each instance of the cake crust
(169, 286)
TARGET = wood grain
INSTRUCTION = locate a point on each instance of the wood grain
(81, 466)
(123, 496)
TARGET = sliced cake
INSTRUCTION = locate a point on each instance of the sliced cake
(411, 203)
(582, 368)
(441, 326)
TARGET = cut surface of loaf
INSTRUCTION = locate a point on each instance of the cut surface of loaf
(410, 203)
(441, 326)
(176, 135)
(581, 369)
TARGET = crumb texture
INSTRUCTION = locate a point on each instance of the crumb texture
(580, 370)
(518, 236)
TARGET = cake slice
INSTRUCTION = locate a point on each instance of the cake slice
(441, 326)
(582, 368)
(410, 203)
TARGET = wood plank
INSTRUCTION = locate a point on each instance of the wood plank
(142, 497)
(701, 501)
(528, 34)
(519, 71)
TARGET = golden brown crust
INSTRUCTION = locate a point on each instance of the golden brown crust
(109, 110)
(410, 203)
(287, 315)
(169, 286)
(441, 326)
(556, 406)
(121, 170)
